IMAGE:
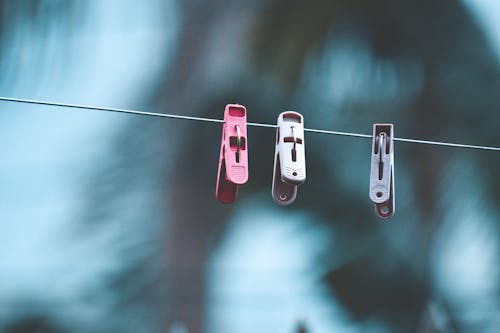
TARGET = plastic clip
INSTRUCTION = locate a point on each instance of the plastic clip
(289, 160)
(233, 158)
(382, 170)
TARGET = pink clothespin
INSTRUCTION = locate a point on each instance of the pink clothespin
(233, 160)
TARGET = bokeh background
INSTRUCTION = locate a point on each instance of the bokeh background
(108, 222)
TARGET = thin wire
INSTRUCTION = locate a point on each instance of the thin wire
(448, 144)
(97, 108)
(176, 116)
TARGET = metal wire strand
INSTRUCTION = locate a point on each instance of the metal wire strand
(176, 116)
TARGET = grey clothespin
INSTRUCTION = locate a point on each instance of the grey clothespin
(382, 170)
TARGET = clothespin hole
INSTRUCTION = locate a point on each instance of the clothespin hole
(236, 111)
(384, 210)
(282, 196)
(294, 173)
(291, 139)
(292, 117)
(379, 194)
(233, 142)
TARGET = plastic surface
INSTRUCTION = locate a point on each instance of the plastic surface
(233, 158)
(289, 157)
(382, 170)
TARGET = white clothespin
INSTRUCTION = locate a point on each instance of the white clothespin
(289, 157)
(382, 170)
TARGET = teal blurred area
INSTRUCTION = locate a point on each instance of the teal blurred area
(109, 223)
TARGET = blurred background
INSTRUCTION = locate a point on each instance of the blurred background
(109, 223)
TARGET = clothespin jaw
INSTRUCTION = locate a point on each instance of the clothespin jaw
(233, 158)
(289, 160)
(382, 170)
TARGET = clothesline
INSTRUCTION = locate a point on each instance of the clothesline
(212, 120)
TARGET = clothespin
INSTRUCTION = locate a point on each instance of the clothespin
(382, 170)
(289, 157)
(233, 159)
